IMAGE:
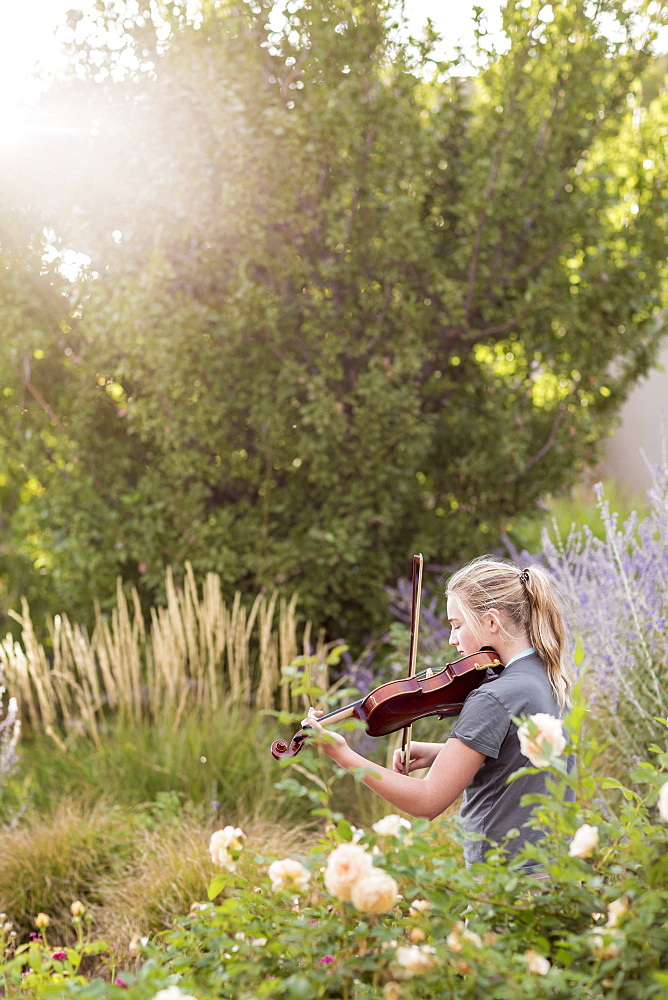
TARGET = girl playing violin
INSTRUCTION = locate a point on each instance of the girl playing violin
(490, 602)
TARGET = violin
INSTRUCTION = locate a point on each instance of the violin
(397, 704)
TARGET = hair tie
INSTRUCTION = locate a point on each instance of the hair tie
(524, 577)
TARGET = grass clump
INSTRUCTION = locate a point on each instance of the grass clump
(49, 862)
(170, 871)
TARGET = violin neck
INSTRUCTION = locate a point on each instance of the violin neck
(349, 712)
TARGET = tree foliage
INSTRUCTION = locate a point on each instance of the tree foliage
(345, 301)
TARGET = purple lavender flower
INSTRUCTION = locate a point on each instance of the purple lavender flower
(618, 588)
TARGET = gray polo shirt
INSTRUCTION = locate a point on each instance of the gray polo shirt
(490, 805)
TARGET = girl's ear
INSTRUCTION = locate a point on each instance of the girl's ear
(494, 622)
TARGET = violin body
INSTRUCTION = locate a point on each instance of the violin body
(396, 704)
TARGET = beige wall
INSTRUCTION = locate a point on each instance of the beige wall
(638, 439)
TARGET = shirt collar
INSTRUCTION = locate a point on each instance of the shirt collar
(520, 656)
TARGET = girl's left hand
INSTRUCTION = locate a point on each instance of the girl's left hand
(328, 739)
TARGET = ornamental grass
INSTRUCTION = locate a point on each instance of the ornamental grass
(49, 861)
(197, 652)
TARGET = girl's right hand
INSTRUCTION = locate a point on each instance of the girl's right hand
(422, 755)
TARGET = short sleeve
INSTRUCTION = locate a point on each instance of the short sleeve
(483, 723)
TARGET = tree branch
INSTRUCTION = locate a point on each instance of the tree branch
(545, 448)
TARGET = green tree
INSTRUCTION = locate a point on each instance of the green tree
(344, 301)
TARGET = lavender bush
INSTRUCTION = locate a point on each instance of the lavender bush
(618, 586)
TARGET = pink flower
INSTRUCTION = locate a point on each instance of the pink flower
(59, 955)
(120, 982)
(326, 960)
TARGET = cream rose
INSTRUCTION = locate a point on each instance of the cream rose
(375, 892)
(536, 962)
(663, 802)
(548, 742)
(419, 906)
(225, 845)
(231, 838)
(616, 909)
(289, 874)
(605, 944)
(415, 960)
(584, 841)
(173, 993)
(346, 865)
(391, 826)
(459, 934)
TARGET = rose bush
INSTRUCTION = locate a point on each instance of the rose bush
(369, 915)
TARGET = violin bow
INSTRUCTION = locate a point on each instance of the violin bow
(412, 650)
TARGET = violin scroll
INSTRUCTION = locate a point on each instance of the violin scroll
(281, 749)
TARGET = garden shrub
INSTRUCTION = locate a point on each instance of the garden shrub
(390, 912)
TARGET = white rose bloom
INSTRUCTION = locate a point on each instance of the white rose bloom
(536, 962)
(663, 802)
(548, 742)
(289, 874)
(173, 993)
(223, 859)
(391, 826)
(459, 934)
(616, 909)
(231, 838)
(605, 945)
(224, 844)
(375, 892)
(419, 906)
(584, 841)
(136, 944)
(346, 865)
(415, 960)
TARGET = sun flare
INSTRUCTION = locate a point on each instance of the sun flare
(13, 122)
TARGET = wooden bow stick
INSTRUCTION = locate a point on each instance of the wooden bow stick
(412, 651)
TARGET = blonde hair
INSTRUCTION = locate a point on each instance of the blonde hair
(526, 599)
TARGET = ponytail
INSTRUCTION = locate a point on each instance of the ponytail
(526, 599)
